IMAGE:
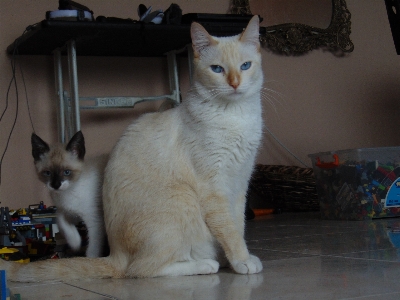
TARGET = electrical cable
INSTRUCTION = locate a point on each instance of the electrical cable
(14, 81)
(84, 289)
(26, 98)
(284, 147)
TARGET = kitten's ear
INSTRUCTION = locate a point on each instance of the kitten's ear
(200, 38)
(39, 147)
(77, 145)
(251, 34)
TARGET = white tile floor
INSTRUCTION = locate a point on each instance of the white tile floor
(304, 257)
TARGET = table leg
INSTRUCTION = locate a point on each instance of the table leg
(60, 94)
(173, 77)
(73, 79)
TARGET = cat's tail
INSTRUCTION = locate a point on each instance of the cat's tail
(61, 269)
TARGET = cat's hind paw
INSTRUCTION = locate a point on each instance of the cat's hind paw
(193, 267)
(251, 266)
(207, 266)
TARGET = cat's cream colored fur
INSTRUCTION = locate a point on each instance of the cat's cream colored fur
(175, 185)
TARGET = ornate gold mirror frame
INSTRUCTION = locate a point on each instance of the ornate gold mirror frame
(294, 39)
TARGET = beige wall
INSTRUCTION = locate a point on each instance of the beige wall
(328, 102)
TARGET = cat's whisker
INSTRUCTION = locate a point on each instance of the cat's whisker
(277, 97)
(211, 92)
(270, 102)
(209, 88)
(273, 99)
(211, 96)
(216, 95)
(273, 91)
(274, 81)
(272, 96)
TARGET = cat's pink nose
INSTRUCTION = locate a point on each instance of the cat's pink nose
(234, 79)
(234, 85)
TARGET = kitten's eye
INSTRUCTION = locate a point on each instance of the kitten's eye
(46, 173)
(246, 66)
(217, 69)
(67, 172)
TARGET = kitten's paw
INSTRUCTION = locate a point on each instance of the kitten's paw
(250, 266)
(74, 241)
(207, 266)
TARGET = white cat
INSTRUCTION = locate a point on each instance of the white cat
(175, 185)
(75, 187)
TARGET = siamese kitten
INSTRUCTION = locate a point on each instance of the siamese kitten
(75, 187)
(175, 185)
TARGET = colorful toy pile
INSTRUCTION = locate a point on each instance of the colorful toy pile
(360, 184)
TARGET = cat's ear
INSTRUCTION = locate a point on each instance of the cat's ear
(77, 145)
(251, 34)
(39, 147)
(201, 39)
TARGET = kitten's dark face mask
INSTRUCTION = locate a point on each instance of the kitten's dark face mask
(58, 166)
(57, 178)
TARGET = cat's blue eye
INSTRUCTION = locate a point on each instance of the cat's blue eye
(217, 69)
(245, 66)
(67, 172)
(46, 173)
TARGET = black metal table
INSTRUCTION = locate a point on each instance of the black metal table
(133, 39)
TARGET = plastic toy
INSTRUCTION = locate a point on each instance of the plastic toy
(12, 254)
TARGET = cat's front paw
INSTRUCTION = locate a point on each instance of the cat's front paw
(250, 266)
(74, 241)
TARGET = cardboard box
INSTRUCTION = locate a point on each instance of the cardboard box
(358, 184)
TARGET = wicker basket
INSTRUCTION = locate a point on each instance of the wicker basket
(288, 188)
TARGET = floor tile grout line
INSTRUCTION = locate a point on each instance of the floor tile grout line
(366, 251)
(300, 236)
(308, 255)
(369, 296)
(298, 252)
(344, 254)
(306, 226)
(35, 284)
(359, 258)
(97, 293)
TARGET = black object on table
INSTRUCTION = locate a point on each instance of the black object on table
(114, 38)
(122, 38)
